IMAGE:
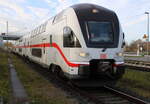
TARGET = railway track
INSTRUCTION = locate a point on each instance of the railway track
(128, 97)
(138, 65)
(109, 95)
(100, 95)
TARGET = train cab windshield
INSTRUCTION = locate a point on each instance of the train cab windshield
(99, 32)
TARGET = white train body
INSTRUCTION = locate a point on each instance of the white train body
(78, 39)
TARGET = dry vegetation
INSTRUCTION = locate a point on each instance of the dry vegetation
(5, 90)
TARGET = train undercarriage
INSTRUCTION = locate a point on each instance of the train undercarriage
(102, 67)
(100, 72)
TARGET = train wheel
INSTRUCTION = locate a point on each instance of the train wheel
(61, 74)
(53, 69)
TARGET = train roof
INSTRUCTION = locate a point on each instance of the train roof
(88, 7)
(86, 12)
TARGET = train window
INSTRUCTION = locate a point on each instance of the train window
(34, 33)
(20, 40)
(123, 36)
(20, 49)
(50, 39)
(37, 31)
(69, 38)
(43, 28)
(45, 24)
(54, 19)
(100, 32)
(37, 52)
(44, 49)
(40, 28)
(31, 33)
(123, 44)
(58, 17)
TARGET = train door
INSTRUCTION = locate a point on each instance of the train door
(25, 49)
(51, 51)
(44, 52)
(66, 50)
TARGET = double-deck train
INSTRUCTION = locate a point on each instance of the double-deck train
(83, 40)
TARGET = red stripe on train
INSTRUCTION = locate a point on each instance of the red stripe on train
(55, 46)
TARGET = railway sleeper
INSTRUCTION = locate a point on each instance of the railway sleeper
(118, 102)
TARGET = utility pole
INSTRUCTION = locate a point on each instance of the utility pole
(147, 13)
(7, 33)
(7, 27)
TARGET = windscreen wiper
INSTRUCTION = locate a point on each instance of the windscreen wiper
(104, 49)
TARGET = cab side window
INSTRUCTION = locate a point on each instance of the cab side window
(69, 38)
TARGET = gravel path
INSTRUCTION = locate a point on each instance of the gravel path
(19, 93)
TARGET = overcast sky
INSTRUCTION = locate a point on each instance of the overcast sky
(26, 14)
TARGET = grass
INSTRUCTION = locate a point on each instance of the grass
(5, 89)
(136, 81)
(134, 56)
(39, 90)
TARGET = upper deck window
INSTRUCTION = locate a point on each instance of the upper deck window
(20, 40)
(58, 17)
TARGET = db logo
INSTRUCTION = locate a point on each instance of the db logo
(103, 56)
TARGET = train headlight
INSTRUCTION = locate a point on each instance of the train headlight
(119, 54)
(84, 54)
(95, 11)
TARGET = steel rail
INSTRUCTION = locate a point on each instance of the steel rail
(127, 96)
(138, 65)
